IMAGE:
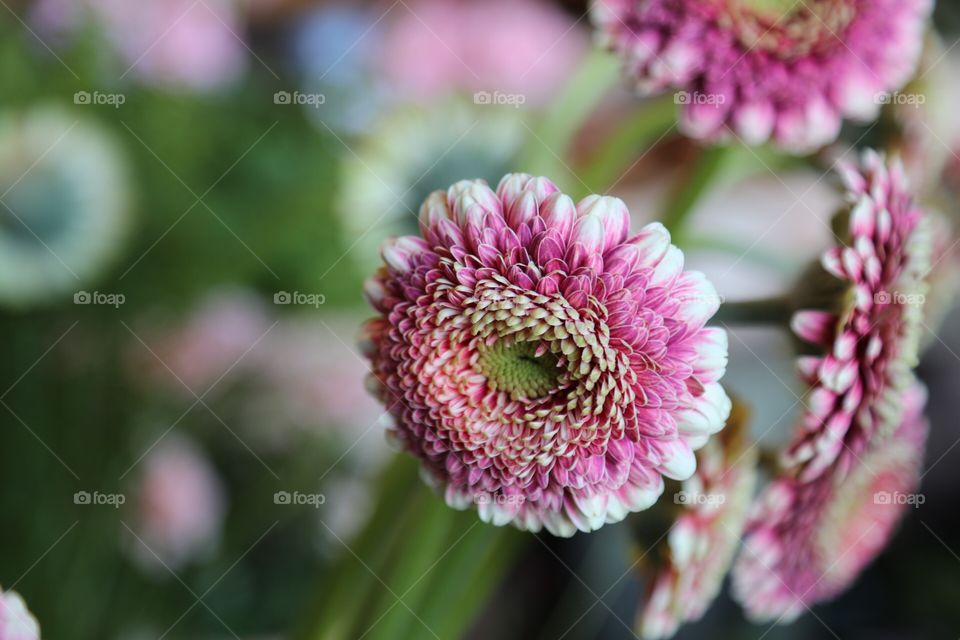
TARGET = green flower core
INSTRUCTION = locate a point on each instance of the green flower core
(515, 368)
(771, 8)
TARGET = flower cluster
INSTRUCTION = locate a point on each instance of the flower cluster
(554, 371)
(541, 362)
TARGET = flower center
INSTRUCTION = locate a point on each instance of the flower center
(517, 369)
(788, 28)
(772, 8)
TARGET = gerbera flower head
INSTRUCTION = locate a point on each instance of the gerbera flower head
(869, 332)
(543, 364)
(808, 541)
(780, 70)
(705, 536)
(64, 210)
(16, 622)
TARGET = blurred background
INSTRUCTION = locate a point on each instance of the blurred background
(191, 195)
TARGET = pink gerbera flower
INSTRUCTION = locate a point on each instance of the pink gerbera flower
(705, 535)
(541, 362)
(780, 70)
(808, 541)
(870, 332)
(16, 622)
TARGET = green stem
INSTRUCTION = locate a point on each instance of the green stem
(755, 312)
(627, 142)
(703, 175)
(483, 558)
(769, 461)
(418, 568)
(415, 553)
(346, 586)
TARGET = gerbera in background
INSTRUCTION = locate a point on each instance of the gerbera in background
(757, 70)
(808, 541)
(287, 379)
(870, 323)
(686, 571)
(64, 204)
(192, 357)
(544, 364)
(521, 47)
(854, 462)
(174, 44)
(411, 152)
(179, 506)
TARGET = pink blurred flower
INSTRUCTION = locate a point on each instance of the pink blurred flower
(16, 622)
(525, 47)
(870, 330)
(808, 541)
(178, 44)
(705, 535)
(307, 374)
(216, 337)
(782, 71)
(179, 505)
(316, 366)
(542, 363)
(283, 375)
